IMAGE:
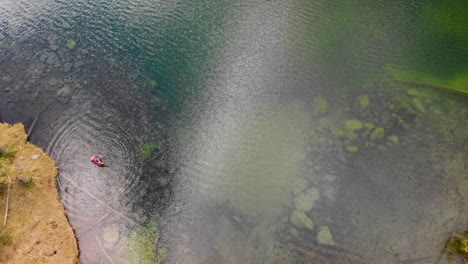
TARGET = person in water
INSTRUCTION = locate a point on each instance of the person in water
(96, 159)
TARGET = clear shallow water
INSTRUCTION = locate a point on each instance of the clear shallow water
(229, 92)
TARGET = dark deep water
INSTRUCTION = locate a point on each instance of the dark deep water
(251, 131)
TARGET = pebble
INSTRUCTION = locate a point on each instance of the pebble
(67, 67)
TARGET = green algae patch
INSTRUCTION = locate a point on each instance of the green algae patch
(320, 106)
(363, 101)
(458, 83)
(378, 133)
(353, 125)
(71, 44)
(148, 148)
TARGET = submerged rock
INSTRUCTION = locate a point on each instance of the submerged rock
(78, 64)
(324, 236)
(52, 39)
(71, 44)
(363, 101)
(110, 235)
(152, 83)
(353, 125)
(337, 132)
(67, 67)
(320, 106)
(393, 139)
(299, 186)
(300, 219)
(369, 125)
(64, 94)
(378, 133)
(52, 81)
(293, 232)
(307, 200)
(418, 106)
(351, 148)
(49, 58)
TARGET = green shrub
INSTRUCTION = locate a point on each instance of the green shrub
(6, 154)
(30, 184)
(5, 239)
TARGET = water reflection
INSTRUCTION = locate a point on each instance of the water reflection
(278, 132)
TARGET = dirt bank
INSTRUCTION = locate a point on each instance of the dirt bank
(37, 229)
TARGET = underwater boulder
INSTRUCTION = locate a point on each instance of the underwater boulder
(369, 125)
(320, 106)
(393, 139)
(353, 125)
(300, 219)
(71, 44)
(418, 106)
(378, 133)
(306, 200)
(351, 149)
(64, 94)
(67, 67)
(324, 236)
(363, 101)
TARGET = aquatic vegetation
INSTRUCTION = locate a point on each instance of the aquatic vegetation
(436, 55)
(324, 236)
(148, 148)
(71, 44)
(457, 84)
(143, 245)
(300, 219)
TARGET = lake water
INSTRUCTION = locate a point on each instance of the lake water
(249, 131)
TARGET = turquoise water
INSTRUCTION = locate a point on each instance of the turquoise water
(253, 132)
